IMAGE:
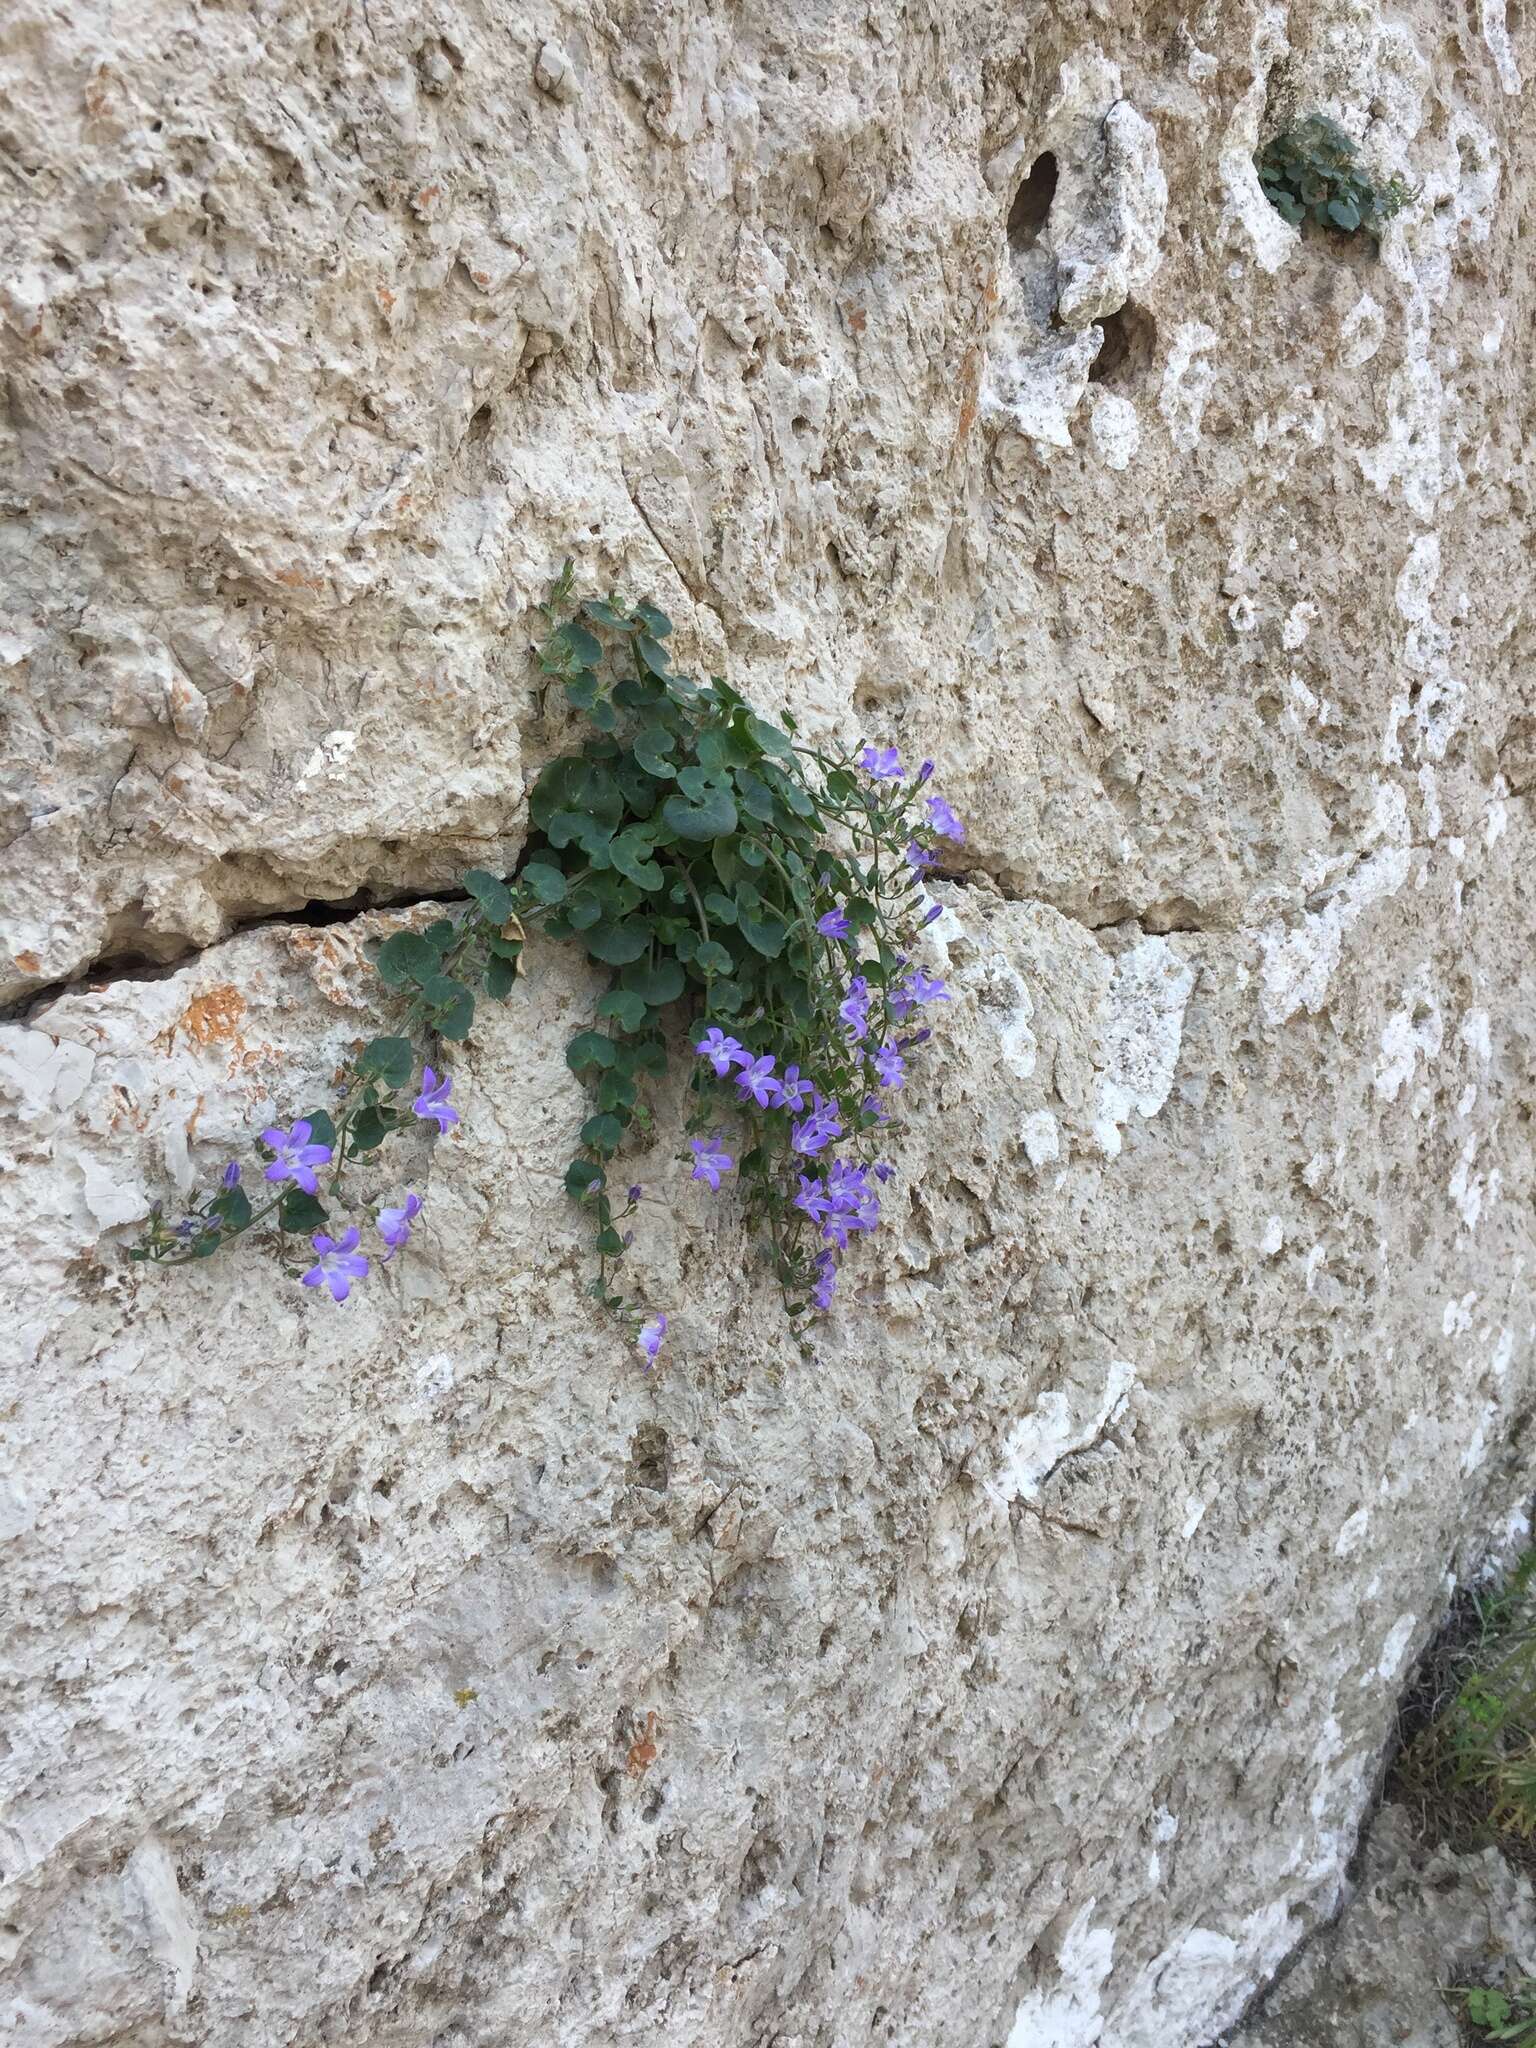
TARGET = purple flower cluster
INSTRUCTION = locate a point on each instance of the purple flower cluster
(917, 988)
(890, 1067)
(854, 1009)
(841, 1202)
(883, 764)
(825, 1286)
(756, 1080)
(339, 1264)
(838, 1196)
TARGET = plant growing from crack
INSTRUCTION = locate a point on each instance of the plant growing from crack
(1312, 170)
(1507, 2015)
(708, 858)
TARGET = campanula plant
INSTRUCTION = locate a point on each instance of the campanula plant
(764, 891)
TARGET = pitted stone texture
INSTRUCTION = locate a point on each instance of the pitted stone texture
(1009, 1662)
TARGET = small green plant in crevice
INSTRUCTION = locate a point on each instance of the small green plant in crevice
(721, 870)
(1312, 170)
(1470, 1768)
(1507, 2015)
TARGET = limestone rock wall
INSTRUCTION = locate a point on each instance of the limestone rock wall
(1011, 1663)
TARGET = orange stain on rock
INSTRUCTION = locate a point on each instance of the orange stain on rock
(643, 1751)
(212, 1018)
(28, 963)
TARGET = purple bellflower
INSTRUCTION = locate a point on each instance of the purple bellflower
(826, 1281)
(232, 1174)
(854, 1008)
(757, 1082)
(824, 1123)
(883, 763)
(710, 1160)
(890, 1067)
(338, 1262)
(722, 1052)
(650, 1337)
(833, 924)
(943, 819)
(395, 1224)
(794, 1090)
(296, 1158)
(431, 1105)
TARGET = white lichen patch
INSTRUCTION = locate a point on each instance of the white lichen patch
(1300, 959)
(1187, 382)
(1441, 696)
(1041, 1137)
(1141, 1026)
(1415, 1031)
(1115, 427)
(1500, 45)
(1362, 331)
(1052, 1430)
(1068, 2012)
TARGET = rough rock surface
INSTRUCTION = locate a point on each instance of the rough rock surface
(1416, 1920)
(1011, 1665)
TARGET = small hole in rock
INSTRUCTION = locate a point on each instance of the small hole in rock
(1031, 206)
(1130, 341)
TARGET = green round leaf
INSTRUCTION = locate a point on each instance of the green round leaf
(584, 1177)
(713, 958)
(391, 1061)
(406, 957)
(499, 977)
(589, 1049)
(456, 1020)
(370, 1130)
(578, 647)
(546, 882)
(656, 623)
(298, 1211)
(493, 897)
(711, 819)
(322, 1131)
(617, 944)
(651, 749)
(652, 653)
(616, 1091)
(629, 853)
(234, 1206)
(627, 1004)
(603, 1133)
